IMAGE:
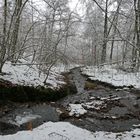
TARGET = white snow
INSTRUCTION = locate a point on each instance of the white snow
(24, 119)
(113, 98)
(137, 125)
(96, 104)
(99, 103)
(113, 76)
(66, 131)
(64, 68)
(29, 75)
(76, 110)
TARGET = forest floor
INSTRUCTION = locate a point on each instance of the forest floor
(112, 74)
(30, 75)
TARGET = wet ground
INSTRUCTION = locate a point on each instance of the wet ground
(108, 109)
(24, 115)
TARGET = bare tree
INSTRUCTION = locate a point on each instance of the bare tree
(3, 45)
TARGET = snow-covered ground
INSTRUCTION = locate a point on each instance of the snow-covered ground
(29, 74)
(66, 131)
(113, 76)
(94, 103)
(76, 110)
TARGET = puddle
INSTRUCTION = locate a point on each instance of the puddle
(20, 118)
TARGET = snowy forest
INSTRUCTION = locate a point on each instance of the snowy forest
(69, 69)
(104, 32)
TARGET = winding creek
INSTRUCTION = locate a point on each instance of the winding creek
(117, 110)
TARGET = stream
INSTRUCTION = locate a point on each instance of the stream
(108, 109)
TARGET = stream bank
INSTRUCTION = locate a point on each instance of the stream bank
(20, 105)
(107, 109)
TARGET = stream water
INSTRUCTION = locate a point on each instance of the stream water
(117, 110)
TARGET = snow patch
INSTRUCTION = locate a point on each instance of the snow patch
(76, 110)
(24, 119)
(96, 104)
(28, 75)
(110, 74)
(66, 131)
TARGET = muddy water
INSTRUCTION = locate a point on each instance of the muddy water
(18, 119)
(119, 109)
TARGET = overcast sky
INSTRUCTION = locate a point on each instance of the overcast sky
(79, 7)
(73, 4)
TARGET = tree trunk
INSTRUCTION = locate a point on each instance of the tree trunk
(138, 33)
(103, 56)
(136, 50)
(115, 30)
(16, 28)
(3, 48)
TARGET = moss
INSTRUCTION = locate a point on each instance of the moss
(90, 85)
(32, 94)
(107, 85)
